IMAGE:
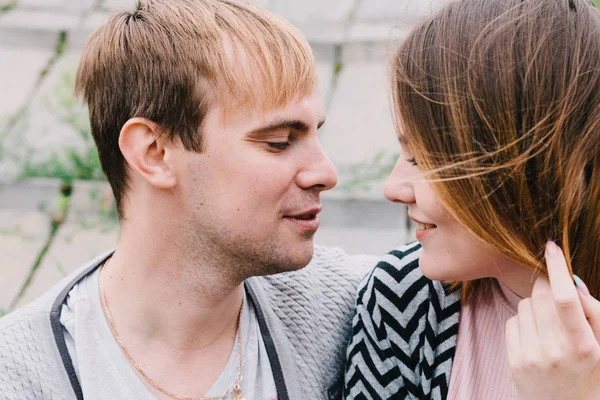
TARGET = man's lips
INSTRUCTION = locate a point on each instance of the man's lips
(309, 213)
(306, 220)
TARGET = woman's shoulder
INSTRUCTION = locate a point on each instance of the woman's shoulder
(400, 314)
(398, 269)
(397, 280)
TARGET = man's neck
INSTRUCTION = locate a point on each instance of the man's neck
(178, 318)
(164, 300)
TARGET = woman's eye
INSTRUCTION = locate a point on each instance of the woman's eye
(278, 145)
(412, 161)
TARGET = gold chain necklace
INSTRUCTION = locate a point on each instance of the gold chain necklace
(237, 387)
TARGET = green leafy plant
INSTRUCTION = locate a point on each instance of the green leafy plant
(1, 146)
(68, 167)
(7, 6)
(107, 207)
(360, 176)
(337, 68)
(69, 163)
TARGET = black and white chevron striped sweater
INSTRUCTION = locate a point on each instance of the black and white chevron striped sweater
(404, 332)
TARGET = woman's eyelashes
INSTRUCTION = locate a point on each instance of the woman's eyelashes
(412, 161)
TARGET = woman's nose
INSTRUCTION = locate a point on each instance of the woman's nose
(398, 188)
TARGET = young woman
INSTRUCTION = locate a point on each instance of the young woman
(497, 105)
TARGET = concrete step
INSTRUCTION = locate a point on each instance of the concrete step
(51, 125)
(89, 229)
(359, 124)
(25, 226)
(36, 28)
(360, 29)
(56, 5)
(29, 195)
(20, 71)
(404, 13)
(23, 234)
(362, 240)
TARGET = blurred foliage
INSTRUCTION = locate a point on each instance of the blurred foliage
(361, 175)
(107, 208)
(7, 6)
(69, 163)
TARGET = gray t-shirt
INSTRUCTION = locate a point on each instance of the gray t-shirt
(105, 373)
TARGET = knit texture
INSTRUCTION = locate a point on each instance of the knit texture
(404, 333)
(315, 306)
(308, 312)
(30, 364)
(481, 369)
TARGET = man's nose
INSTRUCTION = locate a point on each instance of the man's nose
(319, 172)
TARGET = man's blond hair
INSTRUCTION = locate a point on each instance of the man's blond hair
(172, 60)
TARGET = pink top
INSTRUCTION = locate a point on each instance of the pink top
(480, 369)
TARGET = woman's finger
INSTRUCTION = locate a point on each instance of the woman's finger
(528, 333)
(591, 308)
(546, 317)
(513, 345)
(566, 298)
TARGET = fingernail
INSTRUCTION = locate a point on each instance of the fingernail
(552, 249)
(581, 286)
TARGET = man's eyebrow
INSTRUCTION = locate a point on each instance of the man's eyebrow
(280, 125)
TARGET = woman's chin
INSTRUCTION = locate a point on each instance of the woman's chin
(436, 268)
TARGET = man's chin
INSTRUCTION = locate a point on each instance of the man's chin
(294, 261)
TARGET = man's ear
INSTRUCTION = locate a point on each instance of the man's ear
(145, 151)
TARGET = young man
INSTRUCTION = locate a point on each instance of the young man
(205, 114)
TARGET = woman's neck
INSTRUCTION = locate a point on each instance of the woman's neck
(519, 279)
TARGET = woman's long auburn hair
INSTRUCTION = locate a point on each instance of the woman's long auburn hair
(499, 101)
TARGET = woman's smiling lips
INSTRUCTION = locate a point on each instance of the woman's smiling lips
(424, 229)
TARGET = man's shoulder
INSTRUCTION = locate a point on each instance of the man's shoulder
(309, 313)
(335, 263)
(331, 272)
(30, 363)
(42, 305)
(34, 314)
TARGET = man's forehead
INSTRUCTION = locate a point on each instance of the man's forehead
(251, 80)
(305, 108)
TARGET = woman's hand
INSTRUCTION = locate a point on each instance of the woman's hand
(553, 341)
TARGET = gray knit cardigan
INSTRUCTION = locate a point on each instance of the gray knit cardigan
(304, 317)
